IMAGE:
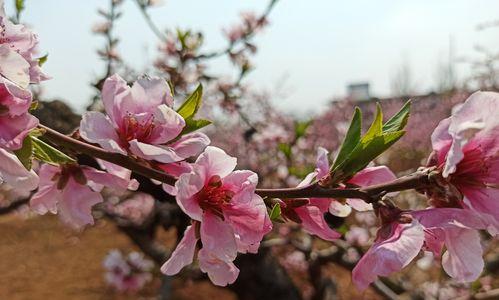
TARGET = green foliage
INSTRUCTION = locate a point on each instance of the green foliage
(43, 59)
(48, 154)
(357, 152)
(25, 154)
(352, 138)
(285, 149)
(189, 109)
(301, 128)
(192, 104)
(20, 6)
(193, 125)
(399, 120)
(275, 213)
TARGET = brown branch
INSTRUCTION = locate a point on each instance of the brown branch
(369, 194)
(115, 158)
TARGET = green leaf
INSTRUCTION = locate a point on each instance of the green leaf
(25, 154)
(275, 213)
(352, 138)
(19, 6)
(192, 104)
(33, 105)
(301, 128)
(367, 151)
(49, 154)
(285, 148)
(193, 125)
(43, 59)
(371, 145)
(399, 120)
(376, 128)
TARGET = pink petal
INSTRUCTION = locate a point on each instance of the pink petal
(183, 254)
(46, 199)
(97, 128)
(249, 219)
(15, 174)
(338, 209)
(218, 237)
(168, 124)
(463, 260)
(13, 130)
(322, 164)
(390, 254)
(466, 121)
(191, 145)
(113, 91)
(14, 67)
(216, 162)
(187, 186)
(373, 175)
(152, 92)
(313, 222)
(163, 154)
(220, 272)
(360, 205)
(97, 180)
(15, 99)
(241, 181)
(75, 207)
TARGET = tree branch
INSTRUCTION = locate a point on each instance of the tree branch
(369, 194)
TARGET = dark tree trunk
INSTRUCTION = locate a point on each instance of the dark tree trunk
(262, 278)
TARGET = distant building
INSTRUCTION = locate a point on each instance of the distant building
(359, 91)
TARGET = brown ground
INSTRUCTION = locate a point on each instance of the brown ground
(41, 259)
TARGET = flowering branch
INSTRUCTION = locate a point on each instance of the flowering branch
(369, 194)
(115, 158)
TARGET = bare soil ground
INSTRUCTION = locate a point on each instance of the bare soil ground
(41, 259)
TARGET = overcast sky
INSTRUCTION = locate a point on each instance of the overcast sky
(319, 46)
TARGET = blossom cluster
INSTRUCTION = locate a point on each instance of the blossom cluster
(228, 214)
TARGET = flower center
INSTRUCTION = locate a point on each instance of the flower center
(214, 196)
(134, 129)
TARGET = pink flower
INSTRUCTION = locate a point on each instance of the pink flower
(232, 218)
(141, 120)
(71, 190)
(136, 209)
(127, 274)
(17, 48)
(404, 233)
(15, 174)
(466, 151)
(311, 216)
(15, 121)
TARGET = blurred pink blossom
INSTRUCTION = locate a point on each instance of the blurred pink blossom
(127, 273)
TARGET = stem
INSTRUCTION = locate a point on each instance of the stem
(149, 21)
(369, 194)
(115, 158)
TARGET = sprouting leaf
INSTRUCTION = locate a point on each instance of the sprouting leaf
(375, 141)
(301, 128)
(275, 213)
(49, 154)
(192, 104)
(193, 125)
(285, 149)
(33, 105)
(399, 120)
(352, 138)
(365, 152)
(25, 154)
(19, 6)
(43, 59)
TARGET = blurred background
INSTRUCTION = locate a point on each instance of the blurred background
(283, 78)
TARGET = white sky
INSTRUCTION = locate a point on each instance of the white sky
(319, 46)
